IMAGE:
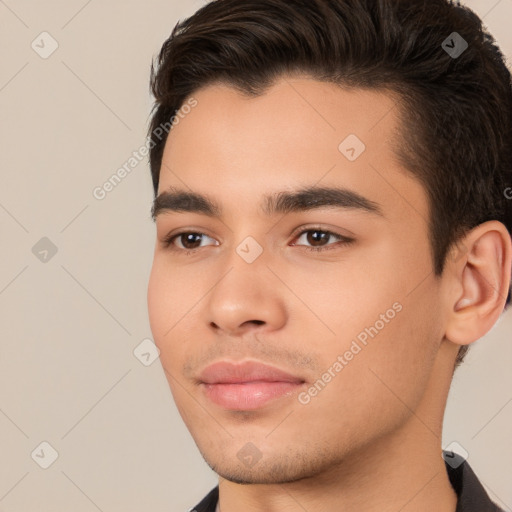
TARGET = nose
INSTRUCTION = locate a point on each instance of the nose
(249, 297)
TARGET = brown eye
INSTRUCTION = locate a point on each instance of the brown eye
(188, 240)
(317, 238)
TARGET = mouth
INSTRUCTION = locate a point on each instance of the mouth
(246, 386)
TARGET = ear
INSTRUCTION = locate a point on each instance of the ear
(479, 276)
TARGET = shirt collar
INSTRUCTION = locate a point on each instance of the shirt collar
(472, 496)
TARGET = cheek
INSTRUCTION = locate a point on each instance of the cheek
(384, 313)
(398, 360)
(173, 299)
(155, 300)
(171, 293)
(380, 382)
(162, 299)
(165, 301)
(346, 296)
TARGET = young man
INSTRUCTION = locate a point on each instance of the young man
(333, 232)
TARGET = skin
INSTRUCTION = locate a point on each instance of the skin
(371, 439)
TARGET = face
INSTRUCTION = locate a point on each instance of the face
(335, 289)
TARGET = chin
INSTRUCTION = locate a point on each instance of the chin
(282, 470)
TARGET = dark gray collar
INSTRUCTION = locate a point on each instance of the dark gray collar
(471, 494)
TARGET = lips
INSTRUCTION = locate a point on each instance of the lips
(233, 373)
(246, 386)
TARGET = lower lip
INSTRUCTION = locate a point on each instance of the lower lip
(248, 395)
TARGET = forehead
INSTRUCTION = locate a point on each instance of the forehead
(307, 110)
(299, 132)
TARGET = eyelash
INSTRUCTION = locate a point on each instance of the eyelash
(343, 240)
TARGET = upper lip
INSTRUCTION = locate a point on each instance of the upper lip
(228, 372)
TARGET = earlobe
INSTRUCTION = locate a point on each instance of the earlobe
(482, 278)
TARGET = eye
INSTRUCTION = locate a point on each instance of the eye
(317, 237)
(189, 241)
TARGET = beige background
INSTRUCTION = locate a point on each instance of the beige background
(68, 375)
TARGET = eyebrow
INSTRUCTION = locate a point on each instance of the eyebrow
(300, 200)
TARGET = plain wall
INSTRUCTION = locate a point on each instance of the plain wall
(70, 324)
